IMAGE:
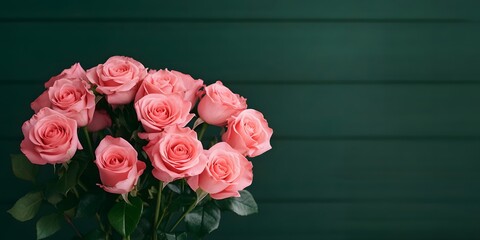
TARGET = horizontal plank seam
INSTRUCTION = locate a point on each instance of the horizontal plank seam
(260, 201)
(340, 138)
(22, 19)
(294, 82)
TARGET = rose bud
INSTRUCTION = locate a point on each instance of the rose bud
(170, 82)
(100, 121)
(118, 165)
(75, 71)
(219, 104)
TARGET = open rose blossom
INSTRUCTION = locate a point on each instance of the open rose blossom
(50, 137)
(156, 111)
(248, 133)
(219, 104)
(170, 82)
(226, 173)
(118, 165)
(175, 153)
(71, 97)
(118, 78)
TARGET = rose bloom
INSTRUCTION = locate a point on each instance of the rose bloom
(118, 165)
(49, 137)
(100, 121)
(248, 133)
(170, 82)
(75, 71)
(175, 153)
(118, 78)
(71, 97)
(226, 173)
(219, 104)
(156, 111)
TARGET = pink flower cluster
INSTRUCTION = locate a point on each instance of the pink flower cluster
(164, 102)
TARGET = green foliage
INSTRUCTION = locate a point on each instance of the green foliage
(48, 225)
(89, 204)
(124, 217)
(203, 219)
(23, 168)
(174, 236)
(26, 207)
(69, 179)
(244, 205)
(95, 234)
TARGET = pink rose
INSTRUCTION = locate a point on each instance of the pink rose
(75, 71)
(49, 137)
(71, 97)
(156, 111)
(219, 104)
(192, 86)
(226, 173)
(170, 82)
(100, 120)
(118, 165)
(175, 153)
(248, 133)
(40, 102)
(118, 78)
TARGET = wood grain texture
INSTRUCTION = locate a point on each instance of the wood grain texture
(328, 111)
(252, 52)
(374, 103)
(348, 171)
(250, 9)
(333, 221)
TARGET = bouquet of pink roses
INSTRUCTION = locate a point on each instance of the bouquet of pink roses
(131, 152)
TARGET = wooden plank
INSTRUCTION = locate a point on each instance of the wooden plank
(252, 51)
(346, 171)
(356, 221)
(369, 171)
(327, 111)
(328, 221)
(279, 9)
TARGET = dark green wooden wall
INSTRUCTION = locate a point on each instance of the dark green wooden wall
(375, 104)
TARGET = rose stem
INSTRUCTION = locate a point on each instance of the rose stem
(69, 221)
(157, 209)
(164, 211)
(202, 131)
(89, 142)
(194, 204)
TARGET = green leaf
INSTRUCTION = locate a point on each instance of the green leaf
(178, 236)
(51, 192)
(23, 168)
(48, 225)
(89, 204)
(203, 219)
(124, 217)
(68, 202)
(69, 178)
(26, 207)
(96, 234)
(243, 205)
